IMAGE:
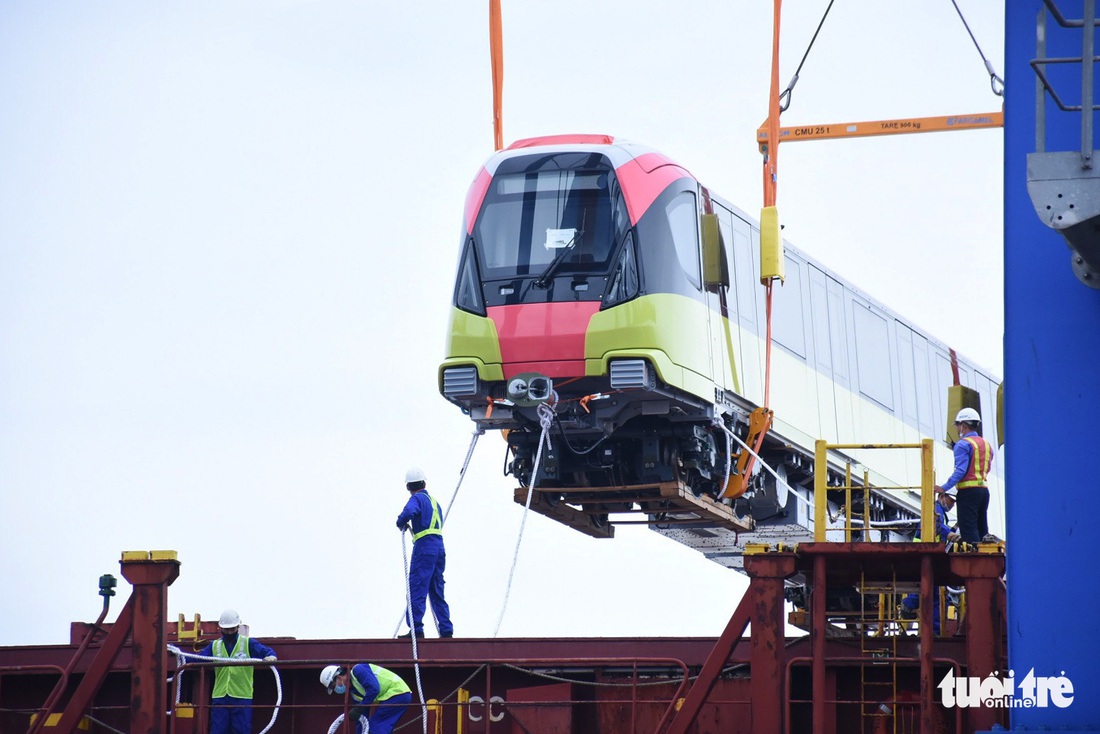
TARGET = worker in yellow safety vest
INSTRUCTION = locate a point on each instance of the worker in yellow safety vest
(231, 704)
(429, 557)
(374, 689)
(973, 460)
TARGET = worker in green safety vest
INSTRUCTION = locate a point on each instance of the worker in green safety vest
(373, 688)
(429, 558)
(231, 704)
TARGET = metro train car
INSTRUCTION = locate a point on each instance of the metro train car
(596, 297)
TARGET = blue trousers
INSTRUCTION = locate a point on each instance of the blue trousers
(429, 560)
(230, 715)
(388, 712)
(912, 603)
(972, 506)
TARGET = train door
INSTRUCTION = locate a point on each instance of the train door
(838, 347)
(823, 354)
(726, 346)
(745, 243)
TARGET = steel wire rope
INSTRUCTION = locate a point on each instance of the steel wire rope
(794, 79)
(994, 80)
(412, 633)
(443, 521)
(278, 680)
(546, 420)
(108, 727)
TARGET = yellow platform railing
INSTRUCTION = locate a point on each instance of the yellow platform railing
(821, 489)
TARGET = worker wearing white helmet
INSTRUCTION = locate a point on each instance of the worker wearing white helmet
(231, 705)
(973, 460)
(373, 688)
(429, 558)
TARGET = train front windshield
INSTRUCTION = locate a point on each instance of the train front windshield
(564, 221)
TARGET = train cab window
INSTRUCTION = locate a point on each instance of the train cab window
(532, 219)
(683, 220)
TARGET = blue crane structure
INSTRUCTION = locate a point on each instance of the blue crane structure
(1052, 317)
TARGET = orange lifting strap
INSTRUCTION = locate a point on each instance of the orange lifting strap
(496, 53)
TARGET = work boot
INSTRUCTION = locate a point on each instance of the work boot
(446, 635)
(408, 635)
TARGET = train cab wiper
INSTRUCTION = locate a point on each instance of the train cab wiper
(543, 280)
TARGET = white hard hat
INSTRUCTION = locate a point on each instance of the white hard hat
(416, 474)
(968, 415)
(328, 675)
(229, 619)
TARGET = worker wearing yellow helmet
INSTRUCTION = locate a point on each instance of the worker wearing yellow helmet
(973, 460)
(429, 557)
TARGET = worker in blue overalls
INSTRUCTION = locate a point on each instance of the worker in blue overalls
(944, 534)
(429, 558)
(374, 689)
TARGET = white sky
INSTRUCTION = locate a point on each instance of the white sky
(228, 233)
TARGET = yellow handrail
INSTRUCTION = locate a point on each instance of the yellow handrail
(821, 488)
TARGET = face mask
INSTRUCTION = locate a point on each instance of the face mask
(340, 689)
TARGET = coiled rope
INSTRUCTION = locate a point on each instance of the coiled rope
(180, 654)
(340, 720)
(546, 420)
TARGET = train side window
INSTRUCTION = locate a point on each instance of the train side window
(873, 355)
(838, 331)
(924, 386)
(788, 315)
(907, 373)
(683, 220)
(819, 316)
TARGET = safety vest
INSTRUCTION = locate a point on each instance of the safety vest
(435, 527)
(233, 680)
(981, 458)
(389, 685)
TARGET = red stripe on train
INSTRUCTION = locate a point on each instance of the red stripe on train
(474, 197)
(644, 178)
(543, 337)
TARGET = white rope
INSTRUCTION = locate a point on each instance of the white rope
(278, 681)
(462, 471)
(461, 475)
(729, 459)
(412, 634)
(546, 419)
(340, 720)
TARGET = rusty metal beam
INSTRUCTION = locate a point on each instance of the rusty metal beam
(768, 651)
(148, 697)
(818, 625)
(712, 668)
(928, 602)
(89, 685)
